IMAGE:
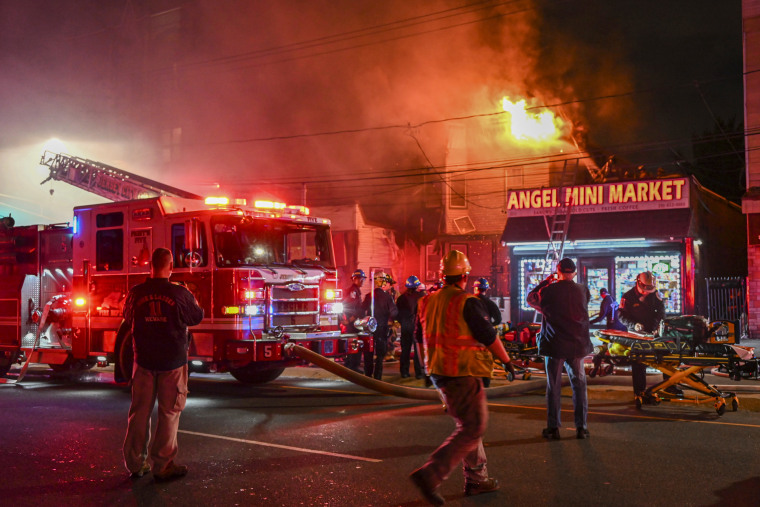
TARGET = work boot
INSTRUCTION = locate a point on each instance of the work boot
(144, 469)
(426, 484)
(476, 488)
(172, 471)
(550, 433)
(582, 433)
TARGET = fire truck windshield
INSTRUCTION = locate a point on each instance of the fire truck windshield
(247, 241)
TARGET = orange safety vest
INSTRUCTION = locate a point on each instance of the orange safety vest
(450, 349)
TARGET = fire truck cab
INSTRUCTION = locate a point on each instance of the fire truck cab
(264, 276)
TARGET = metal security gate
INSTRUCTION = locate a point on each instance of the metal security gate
(727, 300)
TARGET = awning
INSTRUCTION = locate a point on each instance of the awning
(650, 225)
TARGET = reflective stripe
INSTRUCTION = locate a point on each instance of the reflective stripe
(450, 348)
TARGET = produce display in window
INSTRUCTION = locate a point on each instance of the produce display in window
(531, 274)
(596, 280)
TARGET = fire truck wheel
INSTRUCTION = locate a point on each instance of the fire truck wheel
(253, 374)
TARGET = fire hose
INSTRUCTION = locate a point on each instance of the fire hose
(40, 324)
(397, 390)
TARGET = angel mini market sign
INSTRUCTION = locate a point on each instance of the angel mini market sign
(601, 198)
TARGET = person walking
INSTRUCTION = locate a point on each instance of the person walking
(453, 329)
(564, 342)
(407, 310)
(158, 313)
(352, 310)
(642, 310)
(380, 305)
(608, 310)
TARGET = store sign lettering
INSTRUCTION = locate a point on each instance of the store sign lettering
(602, 198)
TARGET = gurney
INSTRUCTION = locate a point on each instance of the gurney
(685, 349)
(520, 344)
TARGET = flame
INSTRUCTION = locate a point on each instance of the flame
(531, 126)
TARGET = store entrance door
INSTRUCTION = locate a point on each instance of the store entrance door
(596, 273)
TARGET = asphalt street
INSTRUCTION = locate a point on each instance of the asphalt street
(309, 440)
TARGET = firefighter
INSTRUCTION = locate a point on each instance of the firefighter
(158, 313)
(481, 288)
(352, 310)
(608, 309)
(407, 310)
(452, 327)
(642, 310)
(381, 306)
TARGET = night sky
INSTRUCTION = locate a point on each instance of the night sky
(641, 78)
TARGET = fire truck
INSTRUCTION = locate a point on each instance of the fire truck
(264, 276)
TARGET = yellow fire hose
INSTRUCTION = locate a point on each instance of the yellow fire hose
(397, 390)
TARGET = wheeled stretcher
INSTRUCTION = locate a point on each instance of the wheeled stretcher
(682, 356)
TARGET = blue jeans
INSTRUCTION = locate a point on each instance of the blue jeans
(554, 389)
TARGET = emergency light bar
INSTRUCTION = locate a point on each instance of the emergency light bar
(272, 205)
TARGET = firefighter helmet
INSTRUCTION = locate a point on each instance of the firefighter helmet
(359, 273)
(380, 278)
(645, 282)
(412, 282)
(455, 263)
(482, 284)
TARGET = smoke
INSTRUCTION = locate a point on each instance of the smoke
(348, 99)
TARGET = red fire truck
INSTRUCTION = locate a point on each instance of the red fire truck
(264, 275)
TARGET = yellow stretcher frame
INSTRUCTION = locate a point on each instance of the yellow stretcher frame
(679, 360)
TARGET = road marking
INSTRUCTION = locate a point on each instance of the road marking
(632, 416)
(279, 446)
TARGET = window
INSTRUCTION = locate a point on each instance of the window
(178, 246)
(109, 250)
(458, 191)
(115, 219)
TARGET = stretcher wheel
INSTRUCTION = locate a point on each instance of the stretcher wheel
(510, 377)
(638, 403)
(592, 373)
(526, 375)
(721, 408)
(609, 369)
(734, 404)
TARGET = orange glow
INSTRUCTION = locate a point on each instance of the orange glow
(529, 126)
(80, 301)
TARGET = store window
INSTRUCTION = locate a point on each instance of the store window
(531, 274)
(667, 270)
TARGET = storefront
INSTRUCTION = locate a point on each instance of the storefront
(673, 227)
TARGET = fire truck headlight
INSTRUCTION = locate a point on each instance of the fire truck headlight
(252, 310)
(333, 307)
(333, 294)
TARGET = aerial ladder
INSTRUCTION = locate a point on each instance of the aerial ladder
(105, 180)
(558, 225)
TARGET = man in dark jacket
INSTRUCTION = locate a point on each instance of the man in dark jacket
(481, 287)
(642, 310)
(563, 341)
(380, 305)
(407, 310)
(608, 309)
(158, 313)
